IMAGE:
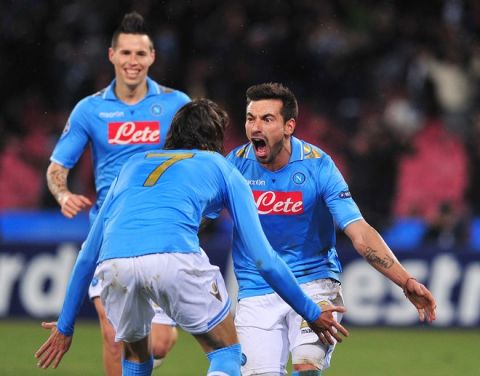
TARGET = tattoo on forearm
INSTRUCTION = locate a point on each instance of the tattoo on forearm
(372, 257)
(57, 182)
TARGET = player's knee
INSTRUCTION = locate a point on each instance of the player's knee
(309, 357)
(163, 341)
(160, 351)
(161, 348)
(226, 360)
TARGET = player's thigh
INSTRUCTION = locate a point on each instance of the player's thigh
(122, 295)
(190, 290)
(263, 334)
(102, 314)
(305, 346)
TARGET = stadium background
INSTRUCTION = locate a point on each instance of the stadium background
(388, 88)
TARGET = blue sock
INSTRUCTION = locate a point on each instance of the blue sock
(225, 361)
(307, 373)
(137, 369)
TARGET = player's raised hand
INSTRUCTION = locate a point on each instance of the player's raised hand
(421, 298)
(54, 347)
(72, 204)
(326, 327)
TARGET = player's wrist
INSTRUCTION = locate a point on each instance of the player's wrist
(62, 197)
(67, 332)
(404, 286)
(315, 315)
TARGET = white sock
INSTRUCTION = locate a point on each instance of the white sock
(157, 362)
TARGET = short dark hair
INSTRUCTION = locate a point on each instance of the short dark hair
(273, 90)
(199, 124)
(132, 23)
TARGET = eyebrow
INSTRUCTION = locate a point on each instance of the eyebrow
(261, 116)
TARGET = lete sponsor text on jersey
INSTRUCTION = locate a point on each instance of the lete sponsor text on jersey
(280, 203)
(134, 132)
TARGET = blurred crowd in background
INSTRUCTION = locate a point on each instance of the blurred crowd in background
(388, 88)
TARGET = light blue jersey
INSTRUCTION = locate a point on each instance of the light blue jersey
(299, 207)
(156, 206)
(116, 130)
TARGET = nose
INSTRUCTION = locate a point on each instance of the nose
(132, 59)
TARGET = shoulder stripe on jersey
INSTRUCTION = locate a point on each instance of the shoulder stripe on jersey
(311, 151)
(242, 152)
(99, 93)
(165, 89)
(104, 93)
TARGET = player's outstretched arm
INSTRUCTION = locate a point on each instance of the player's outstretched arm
(71, 204)
(326, 327)
(52, 351)
(368, 243)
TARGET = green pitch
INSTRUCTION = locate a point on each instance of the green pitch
(372, 352)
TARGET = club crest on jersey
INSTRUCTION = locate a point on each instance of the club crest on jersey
(156, 110)
(298, 178)
(134, 132)
(278, 203)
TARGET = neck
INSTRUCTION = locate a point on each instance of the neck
(131, 94)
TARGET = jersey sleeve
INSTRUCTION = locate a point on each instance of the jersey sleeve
(272, 268)
(83, 271)
(337, 195)
(74, 138)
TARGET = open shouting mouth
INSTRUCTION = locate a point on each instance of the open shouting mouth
(260, 146)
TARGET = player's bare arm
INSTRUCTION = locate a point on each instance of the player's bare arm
(368, 243)
(69, 202)
(327, 328)
(52, 351)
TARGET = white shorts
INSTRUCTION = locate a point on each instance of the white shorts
(269, 330)
(160, 317)
(185, 285)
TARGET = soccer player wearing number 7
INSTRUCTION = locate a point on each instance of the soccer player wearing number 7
(145, 241)
(300, 195)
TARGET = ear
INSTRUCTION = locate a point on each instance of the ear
(289, 127)
(110, 54)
